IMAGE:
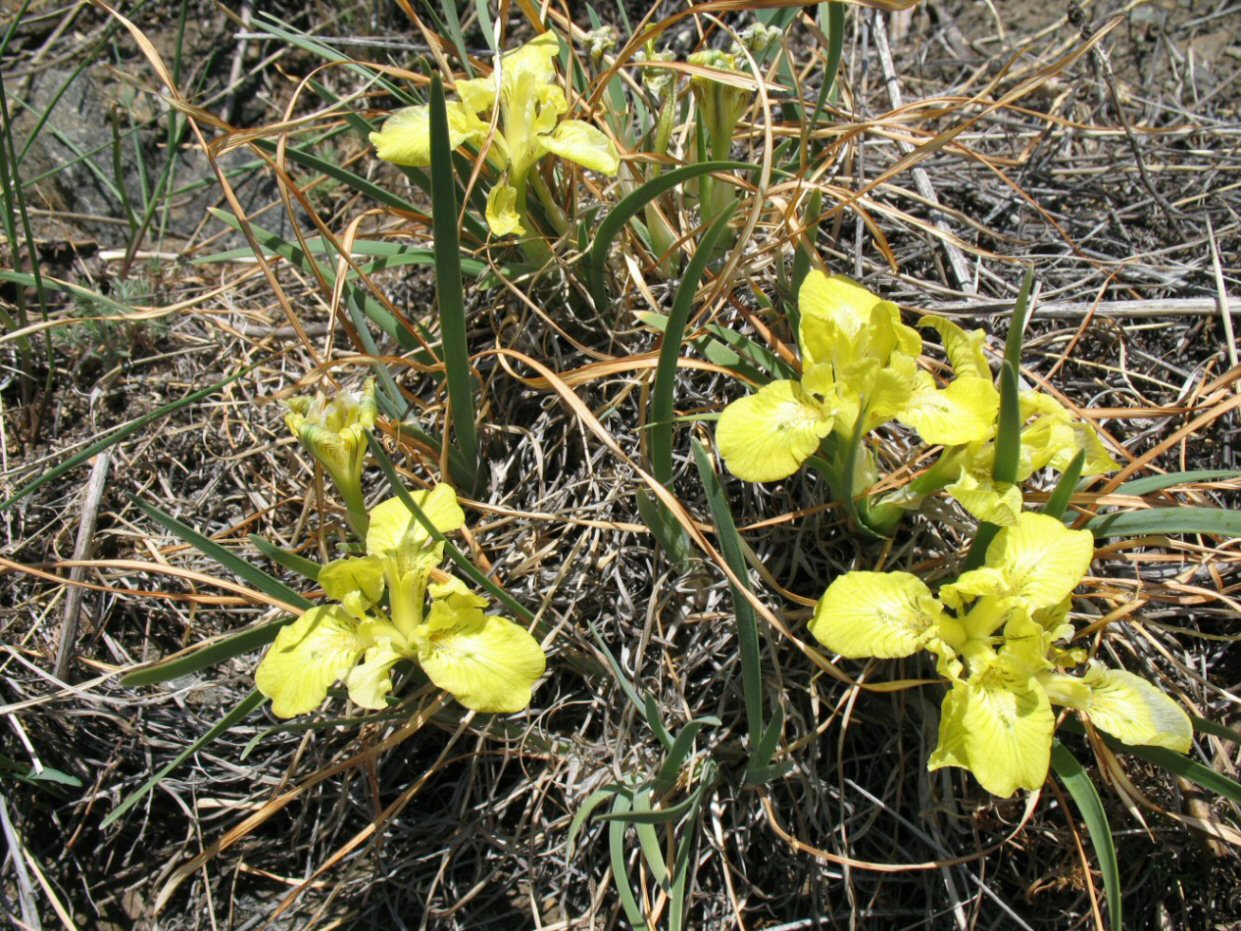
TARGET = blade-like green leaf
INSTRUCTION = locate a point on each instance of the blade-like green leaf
(1017, 327)
(265, 583)
(747, 622)
(1078, 783)
(1183, 766)
(630, 206)
(1150, 483)
(1212, 521)
(1215, 730)
(292, 561)
(662, 395)
(593, 801)
(620, 867)
(449, 290)
(210, 653)
(1058, 503)
(226, 723)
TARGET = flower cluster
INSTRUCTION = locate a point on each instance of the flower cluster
(488, 663)
(997, 633)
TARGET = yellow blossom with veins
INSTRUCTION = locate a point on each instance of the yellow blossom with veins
(531, 104)
(995, 633)
(487, 663)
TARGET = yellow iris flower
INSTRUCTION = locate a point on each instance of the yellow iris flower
(1050, 438)
(995, 633)
(531, 104)
(859, 370)
(487, 663)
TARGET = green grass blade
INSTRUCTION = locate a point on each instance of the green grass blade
(1152, 483)
(662, 396)
(449, 290)
(747, 622)
(1180, 765)
(667, 815)
(265, 583)
(648, 838)
(629, 207)
(117, 435)
(1058, 503)
(1078, 783)
(292, 561)
(620, 869)
(1211, 521)
(678, 753)
(595, 799)
(1215, 730)
(226, 723)
(1017, 327)
(207, 654)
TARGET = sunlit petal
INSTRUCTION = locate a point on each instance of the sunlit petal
(880, 614)
(584, 145)
(488, 663)
(768, 435)
(370, 682)
(1042, 559)
(1135, 711)
(964, 412)
(307, 657)
(405, 137)
(502, 214)
(394, 528)
(998, 724)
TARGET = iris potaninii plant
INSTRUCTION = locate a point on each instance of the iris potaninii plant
(488, 663)
(997, 633)
(531, 101)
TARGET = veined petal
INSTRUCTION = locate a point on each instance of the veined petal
(964, 348)
(355, 576)
(962, 413)
(405, 138)
(768, 435)
(478, 95)
(838, 299)
(395, 530)
(534, 61)
(584, 145)
(488, 663)
(308, 656)
(880, 614)
(886, 390)
(1098, 460)
(502, 215)
(996, 503)
(1134, 711)
(977, 583)
(998, 724)
(455, 588)
(370, 682)
(1042, 560)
